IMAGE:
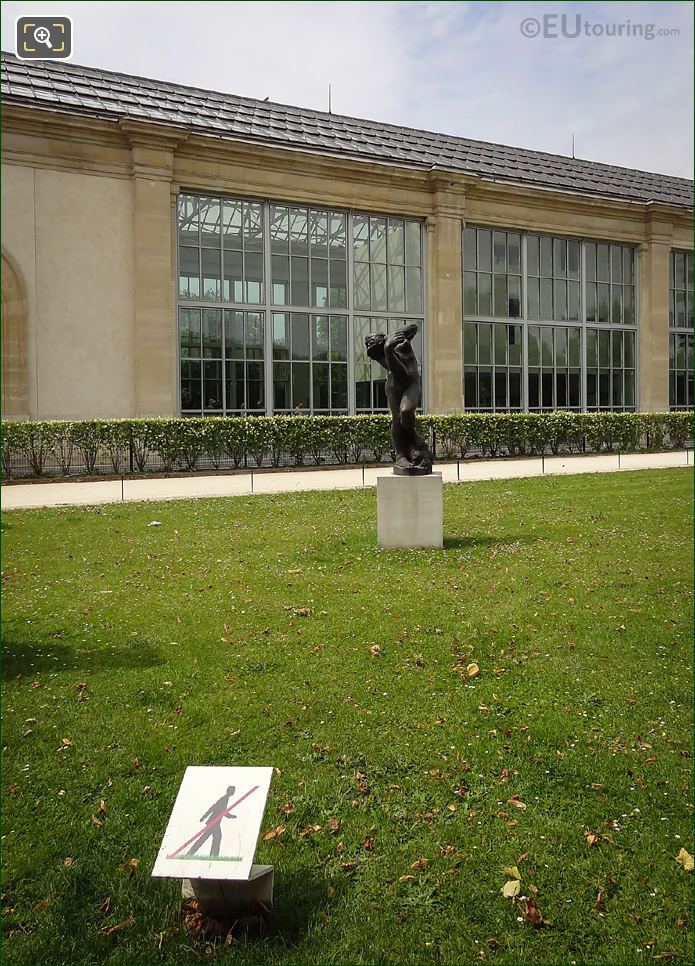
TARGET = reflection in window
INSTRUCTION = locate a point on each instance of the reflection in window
(309, 257)
(309, 363)
(387, 273)
(492, 356)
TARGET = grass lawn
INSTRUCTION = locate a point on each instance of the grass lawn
(241, 631)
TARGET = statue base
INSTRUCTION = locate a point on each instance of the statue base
(228, 899)
(410, 511)
(412, 470)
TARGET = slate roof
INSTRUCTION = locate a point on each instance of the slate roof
(73, 89)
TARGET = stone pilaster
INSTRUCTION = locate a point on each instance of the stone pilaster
(653, 320)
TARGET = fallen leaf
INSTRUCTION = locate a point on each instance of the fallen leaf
(419, 865)
(107, 930)
(514, 800)
(130, 865)
(273, 833)
(288, 808)
(368, 844)
(348, 866)
(591, 838)
(102, 807)
(512, 872)
(447, 850)
(375, 650)
(406, 878)
(105, 906)
(67, 742)
(96, 821)
(333, 825)
(511, 888)
(40, 906)
(685, 859)
(473, 670)
(67, 862)
(135, 762)
(531, 914)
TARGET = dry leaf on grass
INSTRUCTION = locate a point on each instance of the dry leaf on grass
(685, 859)
(512, 871)
(531, 914)
(473, 670)
(40, 906)
(375, 650)
(419, 865)
(107, 930)
(515, 801)
(273, 833)
(130, 865)
(511, 888)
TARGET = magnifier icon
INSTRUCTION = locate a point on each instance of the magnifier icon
(42, 35)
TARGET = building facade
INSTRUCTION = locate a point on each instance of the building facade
(167, 250)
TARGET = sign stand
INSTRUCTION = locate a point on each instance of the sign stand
(211, 838)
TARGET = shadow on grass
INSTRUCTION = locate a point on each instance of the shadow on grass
(22, 658)
(451, 543)
(299, 896)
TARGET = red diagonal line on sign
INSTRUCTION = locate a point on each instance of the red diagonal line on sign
(213, 822)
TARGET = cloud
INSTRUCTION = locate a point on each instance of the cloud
(460, 68)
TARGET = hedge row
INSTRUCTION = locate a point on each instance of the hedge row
(120, 445)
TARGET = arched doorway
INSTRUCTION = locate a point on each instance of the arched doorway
(15, 388)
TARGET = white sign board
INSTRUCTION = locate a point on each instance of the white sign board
(213, 829)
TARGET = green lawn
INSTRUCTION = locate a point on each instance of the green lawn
(132, 651)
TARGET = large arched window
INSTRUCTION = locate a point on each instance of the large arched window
(15, 390)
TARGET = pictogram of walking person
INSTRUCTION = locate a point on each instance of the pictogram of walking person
(214, 815)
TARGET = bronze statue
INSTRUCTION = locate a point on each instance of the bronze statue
(395, 353)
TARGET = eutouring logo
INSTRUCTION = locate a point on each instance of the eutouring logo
(553, 26)
(44, 38)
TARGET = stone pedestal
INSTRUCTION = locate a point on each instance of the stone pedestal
(234, 898)
(409, 511)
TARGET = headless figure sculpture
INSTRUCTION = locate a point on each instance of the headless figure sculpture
(395, 353)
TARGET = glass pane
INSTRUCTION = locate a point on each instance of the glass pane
(253, 227)
(396, 293)
(532, 255)
(299, 290)
(300, 336)
(602, 266)
(338, 339)
(470, 255)
(212, 385)
(546, 309)
(534, 345)
(546, 345)
(470, 352)
(590, 255)
(321, 376)
(210, 223)
(546, 257)
(377, 239)
(592, 389)
(188, 220)
(616, 304)
(604, 348)
(514, 252)
(299, 233)
(591, 307)
(560, 257)
(484, 344)
(338, 284)
(547, 390)
(534, 388)
(628, 305)
(396, 242)
(484, 250)
(279, 229)
(232, 225)
(561, 389)
(533, 292)
(319, 282)
(501, 303)
(617, 389)
(253, 268)
(236, 387)
(515, 388)
(319, 337)
(255, 324)
(211, 270)
(500, 345)
(592, 347)
(499, 252)
(190, 385)
(281, 338)
(339, 387)
(189, 268)
(300, 386)
(680, 351)
(362, 289)
(679, 301)
(573, 257)
(413, 290)
(616, 263)
(360, 230)
(281, 279)
(318, 233)
(189, 333)
(470, 306)
(379, 287)
(255, 389)
(629, 348)
(485, 389)
(573, 297)
(281, 385)
(672, 351)
(617, 350)
(679, 274)
(484, 294)
(363, 387)
(514, 336)
(574, 354)
(413, 253)
(234, 334)
(574, 389)
(338, 234)
(501, 390)
(514, 296)
(629, 382)
(470, 388)
(603, 302)
(560, 300)
(560, 347)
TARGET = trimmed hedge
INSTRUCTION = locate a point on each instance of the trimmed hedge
(125, 445)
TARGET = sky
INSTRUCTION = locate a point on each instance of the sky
(462, 68)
